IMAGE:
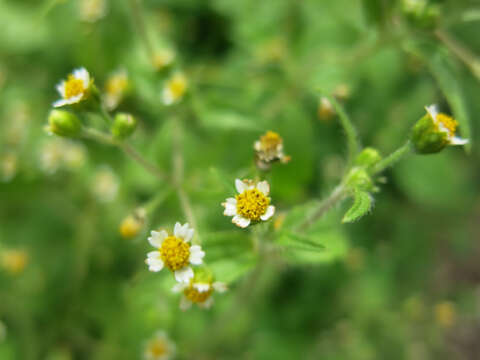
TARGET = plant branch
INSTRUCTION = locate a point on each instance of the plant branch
(394, 157)
(460, 51)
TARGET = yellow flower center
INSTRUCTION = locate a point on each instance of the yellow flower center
(177, 86)
(157, 348)
(130, 227)
(252, 204)
(270, 141)
(448, 122)
(175, 253)
(73, 87)
(196, 296)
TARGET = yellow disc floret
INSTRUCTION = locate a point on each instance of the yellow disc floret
(177, 86)
(448, 123)
(270, 141)
(157, 347)
(195, 296)
(175, 253)
(73, 87)
(252, 204)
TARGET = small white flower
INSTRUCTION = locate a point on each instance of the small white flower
(252, 203)
(198, 292)
(105, 185)
(74, 89)
(174, 89)
(159, 347)
(175, 252)
(446, 124)
(115, 88)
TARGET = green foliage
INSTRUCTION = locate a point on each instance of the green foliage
(204, 80)
(362, 204)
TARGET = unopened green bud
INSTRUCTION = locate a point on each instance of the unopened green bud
(358, 178)
(426, 136)
(64, 123)
(123, 125)
(368, 157)
(421, 14)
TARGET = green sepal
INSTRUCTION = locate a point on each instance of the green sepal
(426, 137)
(362, 204)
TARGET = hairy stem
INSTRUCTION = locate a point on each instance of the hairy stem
(394, 157)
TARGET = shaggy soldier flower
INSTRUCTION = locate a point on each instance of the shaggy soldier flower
(159, 347)
(174, 252)
(174, 89)
(251, 204)
(115, 88)
(434, 131)
(75, 88)
(269, 149)
(198, 292)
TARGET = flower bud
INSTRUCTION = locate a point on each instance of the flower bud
(368, 157)
(132, 224)
(123, 125)
(358, 178)
(434, 131)
(64, 123)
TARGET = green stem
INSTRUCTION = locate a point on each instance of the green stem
(353, 144)
(464, 54)
(336, 196)
(103, 138)
(394, 157)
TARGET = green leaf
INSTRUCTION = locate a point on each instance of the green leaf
(362, 203)
(300, 242)
(219, 177)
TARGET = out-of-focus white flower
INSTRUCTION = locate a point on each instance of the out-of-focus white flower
(198, 292)
(163, 58)
(74, 89)
(92, 10)
(174, 252)
(74, 155)
(105, 185)
(115, 88)
(251, 204)
(175, 88)
(159, 347)
(51, 156)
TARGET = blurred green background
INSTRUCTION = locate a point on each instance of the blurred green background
(401, 283)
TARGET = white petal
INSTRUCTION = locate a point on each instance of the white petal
(188, 233)
(180, 231)
(207, 304)
(433, 111)
(263, 187)
(156, 238)
(179, 287)
(154, 254)
(154, 265)
(167, 96)
(60, 103)
(196, 255)
(230, 209)
(257, 146)
(83, 75)
(185, 304)
(61, 88)
(219, 286)
(241, 221)
(458, 141)
(202, 287)
(269, 213)
(240, 186)
(231, 201)
(184, 274)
